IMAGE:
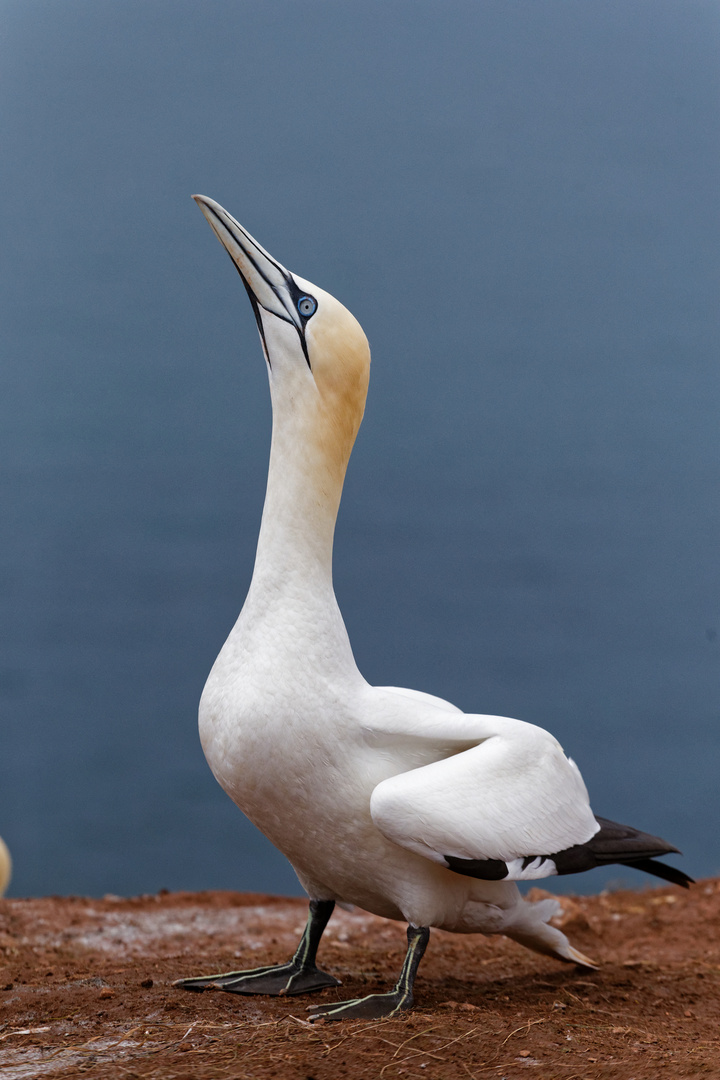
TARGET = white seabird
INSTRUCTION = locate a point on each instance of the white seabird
(389, 799)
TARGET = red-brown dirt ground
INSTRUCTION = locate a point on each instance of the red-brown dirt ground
(86, 992)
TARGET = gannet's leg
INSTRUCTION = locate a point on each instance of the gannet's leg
(299, 976)
(376, 1006)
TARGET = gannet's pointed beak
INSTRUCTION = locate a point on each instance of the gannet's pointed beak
(268, 283)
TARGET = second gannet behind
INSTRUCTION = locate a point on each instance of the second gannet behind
(5, 866)
(389, 799)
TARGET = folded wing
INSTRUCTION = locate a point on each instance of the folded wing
(509, 801)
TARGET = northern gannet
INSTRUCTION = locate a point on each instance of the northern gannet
(389, 799)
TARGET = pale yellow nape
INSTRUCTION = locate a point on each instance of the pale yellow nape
(340, 362)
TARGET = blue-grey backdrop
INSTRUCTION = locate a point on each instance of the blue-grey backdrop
(519, 203)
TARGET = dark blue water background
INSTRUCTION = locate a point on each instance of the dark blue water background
(519, 203)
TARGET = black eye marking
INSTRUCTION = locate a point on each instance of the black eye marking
(307, 306)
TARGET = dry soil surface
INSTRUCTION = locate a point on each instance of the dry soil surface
(86, 992)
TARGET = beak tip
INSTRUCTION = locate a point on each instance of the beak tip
(206, 207)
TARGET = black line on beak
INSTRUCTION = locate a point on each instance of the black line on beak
(291, 286)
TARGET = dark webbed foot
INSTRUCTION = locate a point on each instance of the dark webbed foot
(372, 1007)
(299, 976)
(285, 979)
(378, 1006)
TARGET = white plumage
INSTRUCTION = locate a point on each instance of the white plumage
(512, 792)
(389, 799)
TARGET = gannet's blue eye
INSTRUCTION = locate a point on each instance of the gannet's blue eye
(306, 306)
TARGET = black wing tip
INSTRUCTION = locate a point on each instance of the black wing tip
(662, 870)
(485, 869)
(613, 844)
(616, 839)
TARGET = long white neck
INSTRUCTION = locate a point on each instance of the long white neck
(294, 551)
(291, 605)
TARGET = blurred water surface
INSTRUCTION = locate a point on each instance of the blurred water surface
(519, 203)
